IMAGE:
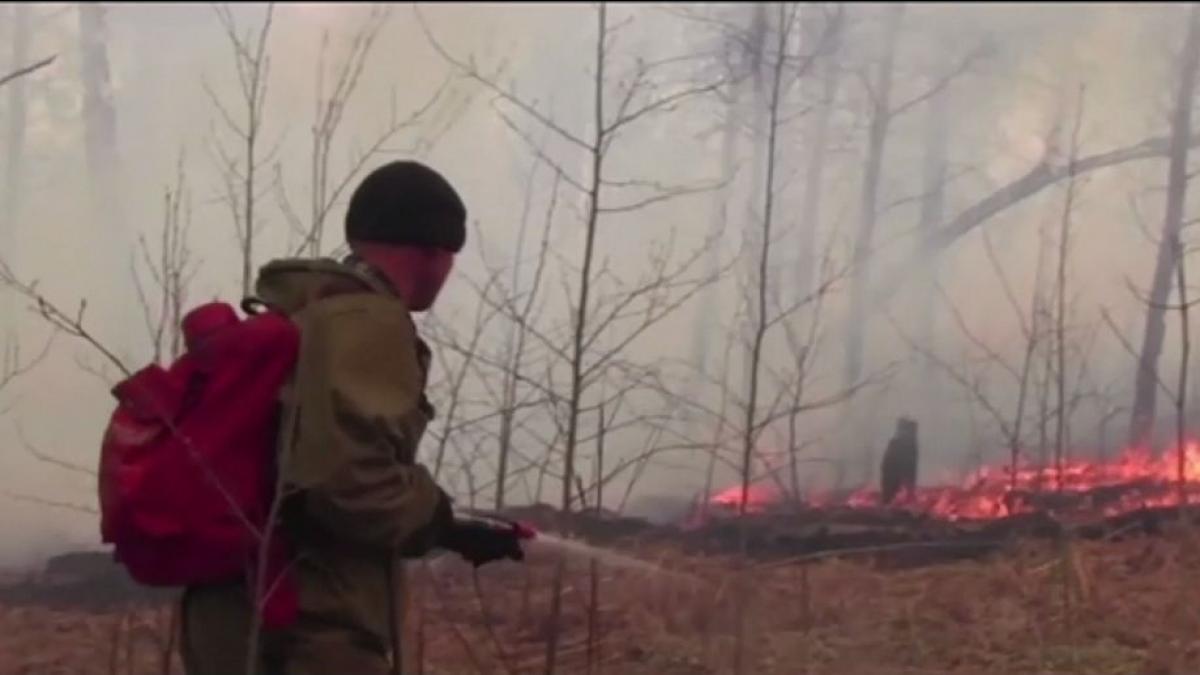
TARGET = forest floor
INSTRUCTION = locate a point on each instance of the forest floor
(1119, 608)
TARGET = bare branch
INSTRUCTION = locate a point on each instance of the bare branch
(1133, 352)
(974, 339)
(59, 319)
(675, 193)
(12, 367)
(665, 103)
(78, 508)
(974, 388)
(1016, 191)
(54, 461)
(942, 82)
(1006, 285)
(469, 70)
(26, 70)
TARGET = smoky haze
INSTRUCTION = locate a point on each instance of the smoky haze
(999, 88)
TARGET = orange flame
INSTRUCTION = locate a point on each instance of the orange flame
(758, 497)
(1136, 479)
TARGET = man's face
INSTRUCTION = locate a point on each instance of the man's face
(418, 273)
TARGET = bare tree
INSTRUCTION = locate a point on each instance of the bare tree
(483, 316)
(1179, 395)
(520, 313)
(171, 268)
(760, 321)
(335, 90)
(1185, 344)
(933, 205)
(598, 317)
(99, 113)
(511, 395)
(772, 35)
(879, 101)
(973, 384)
(240, 168)
(1145, 389)
(804, 350)
(882, 111)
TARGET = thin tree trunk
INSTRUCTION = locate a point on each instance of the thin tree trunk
(880, 119)
(761, 324)
(1146, 379)
(793, 432)
(512, 357)
(1060, 327)
(1027, 364)
(580, 328)
(1185, 340)
(505, 443)
(594, 566)
(1014, 442)
(515, 346)
(1044, 403)
(719, 433)
(756, 40)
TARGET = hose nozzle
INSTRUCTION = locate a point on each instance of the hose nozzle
(523, 529)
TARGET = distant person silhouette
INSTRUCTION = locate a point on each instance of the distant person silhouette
(899, 468)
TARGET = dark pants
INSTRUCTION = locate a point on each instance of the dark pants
(216, 627)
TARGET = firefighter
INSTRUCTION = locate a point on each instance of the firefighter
(358, 502)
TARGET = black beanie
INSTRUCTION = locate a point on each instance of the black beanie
(407, 202)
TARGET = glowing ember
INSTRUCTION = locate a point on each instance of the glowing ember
(1135, 480)
(758, 497)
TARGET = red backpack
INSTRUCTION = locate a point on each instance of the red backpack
(187, 466)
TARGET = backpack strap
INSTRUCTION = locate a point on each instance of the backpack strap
(368, 275)
(253, 306)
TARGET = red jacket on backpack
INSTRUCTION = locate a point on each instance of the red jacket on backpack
(187, 466)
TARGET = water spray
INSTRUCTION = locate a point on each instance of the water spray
(526, 531)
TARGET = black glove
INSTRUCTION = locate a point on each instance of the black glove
(425, 539)
(481, 543)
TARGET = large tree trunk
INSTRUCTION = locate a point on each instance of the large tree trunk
(99, 115)
(933, 206)
(1146, 382)
(14, 135)
(110, 234)
(816, 144)
(880, 119)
